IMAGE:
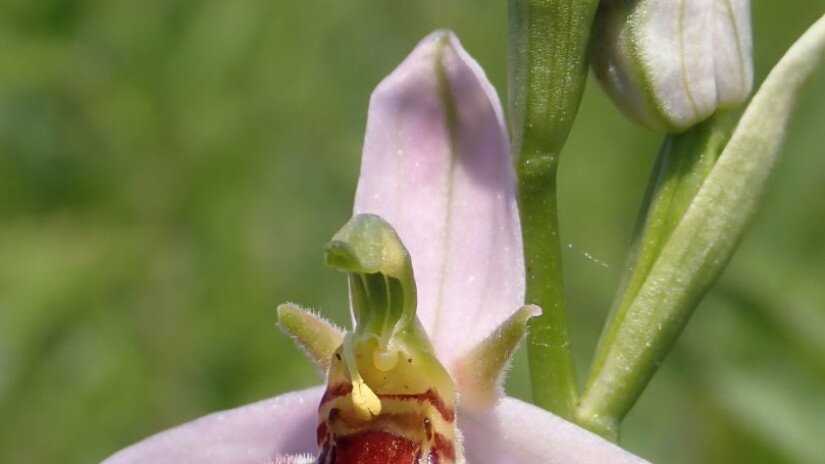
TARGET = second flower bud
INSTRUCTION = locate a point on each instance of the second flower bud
(671, 64)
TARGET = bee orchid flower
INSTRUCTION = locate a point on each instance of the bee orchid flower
(435, 265)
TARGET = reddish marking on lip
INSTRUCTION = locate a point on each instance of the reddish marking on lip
(430, 396)
(335, 391)
(375, 447)
(443, 447)
(321, 433)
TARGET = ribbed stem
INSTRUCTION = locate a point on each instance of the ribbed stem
(548, 70)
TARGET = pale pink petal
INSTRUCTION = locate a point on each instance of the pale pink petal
(252, 434)
(517, 432)
(436, 165)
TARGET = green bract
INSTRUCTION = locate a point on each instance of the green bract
(687, 239)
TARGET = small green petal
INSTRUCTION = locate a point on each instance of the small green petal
(479, 373)
(315, 335)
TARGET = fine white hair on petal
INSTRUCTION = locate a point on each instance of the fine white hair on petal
(518, 432)
(283, 425)
(293, 459)
(436, 165)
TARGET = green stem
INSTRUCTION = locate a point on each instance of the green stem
(552, 372)
(548, 70)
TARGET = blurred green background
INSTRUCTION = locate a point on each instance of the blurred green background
(169, 171)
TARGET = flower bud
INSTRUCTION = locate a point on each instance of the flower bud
(670, 65)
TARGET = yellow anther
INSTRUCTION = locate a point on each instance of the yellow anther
(366, 402)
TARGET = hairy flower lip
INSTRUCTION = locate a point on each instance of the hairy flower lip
(456, 168)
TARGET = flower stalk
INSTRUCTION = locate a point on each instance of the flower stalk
(547, 73)
(699, 246)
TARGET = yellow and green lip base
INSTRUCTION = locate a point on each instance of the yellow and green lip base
(388, 399)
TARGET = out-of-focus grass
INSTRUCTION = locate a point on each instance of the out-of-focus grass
(169, 171)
